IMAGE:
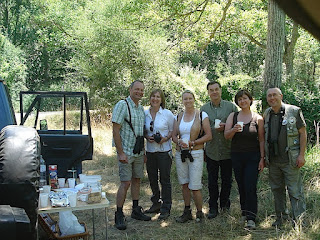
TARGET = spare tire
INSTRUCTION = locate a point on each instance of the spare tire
(19, 170)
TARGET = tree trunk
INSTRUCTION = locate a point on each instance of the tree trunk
(275, 46)
(289, 52)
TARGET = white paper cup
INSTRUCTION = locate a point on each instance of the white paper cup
(46, 188)
(44, 199)
(241, 124)
(61, 182)
(82, 177)
(72, 199)
(72, 182)
(217, 123)
(185, 140)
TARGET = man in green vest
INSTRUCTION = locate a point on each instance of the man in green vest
(285, 144)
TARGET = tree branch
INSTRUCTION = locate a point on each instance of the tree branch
(252, 39)
(224, 14)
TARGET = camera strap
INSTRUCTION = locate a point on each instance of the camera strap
(129, 122)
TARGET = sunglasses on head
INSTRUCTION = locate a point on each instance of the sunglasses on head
(151, 126)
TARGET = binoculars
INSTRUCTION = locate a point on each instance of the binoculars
(186, 154)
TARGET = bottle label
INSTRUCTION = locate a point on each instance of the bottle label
(42, 168)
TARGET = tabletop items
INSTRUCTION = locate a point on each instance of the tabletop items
(62, 193)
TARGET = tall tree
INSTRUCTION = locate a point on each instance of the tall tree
(289, 52)
(275, 46)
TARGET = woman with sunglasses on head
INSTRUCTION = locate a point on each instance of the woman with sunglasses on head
(246, 130)
(158, 130)
(190, 132)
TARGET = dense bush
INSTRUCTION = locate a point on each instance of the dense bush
(232, 84)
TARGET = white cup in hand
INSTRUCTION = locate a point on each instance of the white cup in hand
(184, 141)
(217, 123)
(241, 124)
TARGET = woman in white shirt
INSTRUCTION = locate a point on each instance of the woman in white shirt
(191, 130)
(158, 130)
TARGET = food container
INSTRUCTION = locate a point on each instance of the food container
(53, 172)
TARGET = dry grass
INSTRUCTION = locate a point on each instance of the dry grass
(225, 226)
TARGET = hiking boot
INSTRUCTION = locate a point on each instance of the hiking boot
(277, 223)
(185, 217)
(138, 214)
(251, 224)
(155, 208)
(164, 215)
(199, 216)
(120, 221)
(212, 213)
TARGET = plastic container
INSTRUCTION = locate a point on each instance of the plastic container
(43, 172)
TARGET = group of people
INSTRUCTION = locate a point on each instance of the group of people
(217, 134)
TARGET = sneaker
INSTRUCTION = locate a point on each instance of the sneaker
(212, 213)
(120, 221)
(185, 217)
(277, 223)
(242, 220)
(155, 208)
(199, 216)
(139, 215)
(251, 224)
(164, 215)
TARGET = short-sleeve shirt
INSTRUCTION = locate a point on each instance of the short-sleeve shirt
(119, 114)
(281, 136)
(218, 148)
(163, 123)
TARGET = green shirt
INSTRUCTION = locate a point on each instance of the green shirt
(218, 148)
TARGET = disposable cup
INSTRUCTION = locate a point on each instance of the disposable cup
(44, 199)
(72, 182)
(241, 124)
(61, 182)
(217, 123)
(72, 199)
(46, 188)
(82, 177)
(185, 140)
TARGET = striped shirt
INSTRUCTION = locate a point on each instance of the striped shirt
(119, 114)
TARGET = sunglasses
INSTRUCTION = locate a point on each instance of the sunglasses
(151, 126)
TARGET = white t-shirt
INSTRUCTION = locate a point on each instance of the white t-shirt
(185, 127)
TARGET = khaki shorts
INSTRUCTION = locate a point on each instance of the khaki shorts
(190, 172)
(132, 169)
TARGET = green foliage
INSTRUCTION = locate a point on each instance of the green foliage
(308, 101)
(12, 68)
(232, 84)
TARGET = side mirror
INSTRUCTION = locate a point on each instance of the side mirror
(43, 124)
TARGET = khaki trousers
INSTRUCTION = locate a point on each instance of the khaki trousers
(282, 175)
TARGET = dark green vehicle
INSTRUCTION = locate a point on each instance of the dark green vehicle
(62, 121)
(7, 116)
